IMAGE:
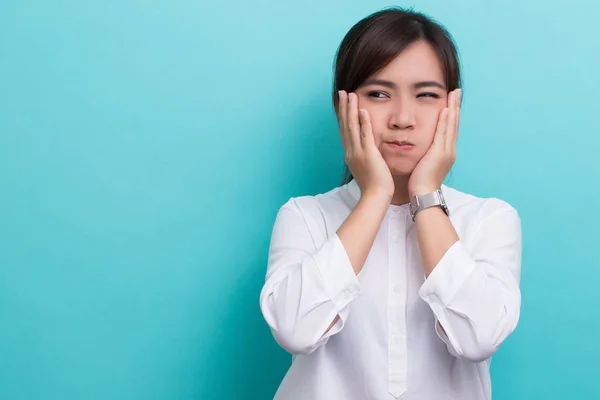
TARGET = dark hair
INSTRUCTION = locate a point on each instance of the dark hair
(375, 41)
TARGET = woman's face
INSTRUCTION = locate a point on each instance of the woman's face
(404, 101)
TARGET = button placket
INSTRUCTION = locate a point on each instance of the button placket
(397, 303)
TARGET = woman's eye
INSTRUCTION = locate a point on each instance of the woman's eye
(378, 95)
(433, 95)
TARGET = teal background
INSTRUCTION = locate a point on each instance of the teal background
(145, 147)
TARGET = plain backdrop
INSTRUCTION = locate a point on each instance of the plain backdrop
(145, 147)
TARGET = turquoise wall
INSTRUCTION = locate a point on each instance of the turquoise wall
(145, 147)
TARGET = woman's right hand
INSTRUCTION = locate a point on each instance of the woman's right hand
(360, 151)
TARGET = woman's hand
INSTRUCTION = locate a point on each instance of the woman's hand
(360, 151)
(430, 172)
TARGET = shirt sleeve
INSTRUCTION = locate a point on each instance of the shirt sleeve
(308, 282)
(475, 296)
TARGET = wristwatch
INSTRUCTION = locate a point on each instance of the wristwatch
(433, 199)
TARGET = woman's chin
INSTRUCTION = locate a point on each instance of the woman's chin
(401, 170)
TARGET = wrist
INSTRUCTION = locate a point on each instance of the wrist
(431, 211)
(376, 199)
(433, 199)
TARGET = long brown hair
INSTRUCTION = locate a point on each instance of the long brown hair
(373, 42)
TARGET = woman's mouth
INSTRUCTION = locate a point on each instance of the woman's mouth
(400, 145)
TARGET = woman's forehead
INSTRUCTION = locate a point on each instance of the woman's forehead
(418, 62)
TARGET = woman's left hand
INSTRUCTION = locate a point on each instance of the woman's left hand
(431, 170)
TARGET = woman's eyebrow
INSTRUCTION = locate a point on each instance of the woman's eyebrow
(392, 85)
(379, 82)
(423, 84)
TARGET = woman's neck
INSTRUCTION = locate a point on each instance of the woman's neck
(400, 196)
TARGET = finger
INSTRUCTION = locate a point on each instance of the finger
(451, 128)
(342, 117)
(440, 131)
(366, 130)
(457, 123)
(353, 124)
(343, 108)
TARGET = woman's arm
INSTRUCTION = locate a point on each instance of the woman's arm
(309, 285)
(358, 233)
(473, 294)
(435, 234)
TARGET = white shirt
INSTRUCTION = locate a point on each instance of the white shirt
(388, 343)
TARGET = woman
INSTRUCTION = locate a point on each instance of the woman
(394, 285)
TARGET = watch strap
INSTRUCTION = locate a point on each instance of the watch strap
(422, 202)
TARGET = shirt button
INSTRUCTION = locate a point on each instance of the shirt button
(397, 289)
(396, 339)
(395, 239)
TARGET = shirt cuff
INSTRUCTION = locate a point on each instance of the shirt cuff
(444, 338)
(448, 276)
(340, 282)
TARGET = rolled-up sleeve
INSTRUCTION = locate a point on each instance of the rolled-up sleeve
(309, 281)
(474, 293)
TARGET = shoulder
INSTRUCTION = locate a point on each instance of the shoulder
(322, 212)
(475, 210)
(336, 199)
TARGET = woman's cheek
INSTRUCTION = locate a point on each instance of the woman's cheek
(377, 137)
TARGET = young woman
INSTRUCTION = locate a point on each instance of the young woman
(394, 285)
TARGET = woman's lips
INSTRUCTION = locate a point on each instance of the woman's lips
(400, 145)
